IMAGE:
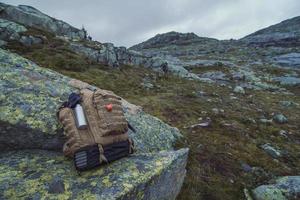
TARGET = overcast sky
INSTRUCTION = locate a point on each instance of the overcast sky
(128, 22)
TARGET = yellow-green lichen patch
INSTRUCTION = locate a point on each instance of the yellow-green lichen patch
(28, 174)
(31, 93)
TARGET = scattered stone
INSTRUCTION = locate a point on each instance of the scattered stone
(283, 133)
(201, 94)
(288, 103)
(233, 98)
(198, 63)
(246, 167)
(280, 118)
(199, 146)
(283, 188)
(287, 80)
(250, 120)
(274, 153)
(56, 187)
(206, 80)
(238, 76)
(216, 75)
(266, 121)
(290, 59)
(217, 111)
(239, 89)
(147, 84)
(205, 123)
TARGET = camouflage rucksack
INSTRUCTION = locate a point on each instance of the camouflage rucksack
(105, 138)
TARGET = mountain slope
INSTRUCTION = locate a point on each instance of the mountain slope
(285, 33)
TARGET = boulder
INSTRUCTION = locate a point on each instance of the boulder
(289, 59)
(288, 103)
(239, 89)
(10, 30)
(280, 118)
(215, 75)
(30, 40)
(287, 80)
(36, 174)
(283, 188)
(113, 56)
(29, 100)
(198, 63)
(273, 152)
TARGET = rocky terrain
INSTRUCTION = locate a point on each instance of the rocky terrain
(29, 101)
(236, 102)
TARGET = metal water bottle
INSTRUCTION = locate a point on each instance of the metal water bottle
(80, 117)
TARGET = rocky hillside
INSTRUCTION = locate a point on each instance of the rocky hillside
(268, 61)
(236, 102)
(21, 23)
(192, 53)
(286, 33)
(29, 16)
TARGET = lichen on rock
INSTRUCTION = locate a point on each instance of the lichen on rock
(141, 176)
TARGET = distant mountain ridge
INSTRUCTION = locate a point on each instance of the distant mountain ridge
(170, 38)
(286, 32)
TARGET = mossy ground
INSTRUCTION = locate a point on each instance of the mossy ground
(216, 153)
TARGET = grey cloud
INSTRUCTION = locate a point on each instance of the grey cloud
(132, 21)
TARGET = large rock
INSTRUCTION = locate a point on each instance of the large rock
(10, 30)
(42, 174)
(108, 54)
(31, 17)
(289, 59)
(29, 99)
(287, 80)
(284, 188)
